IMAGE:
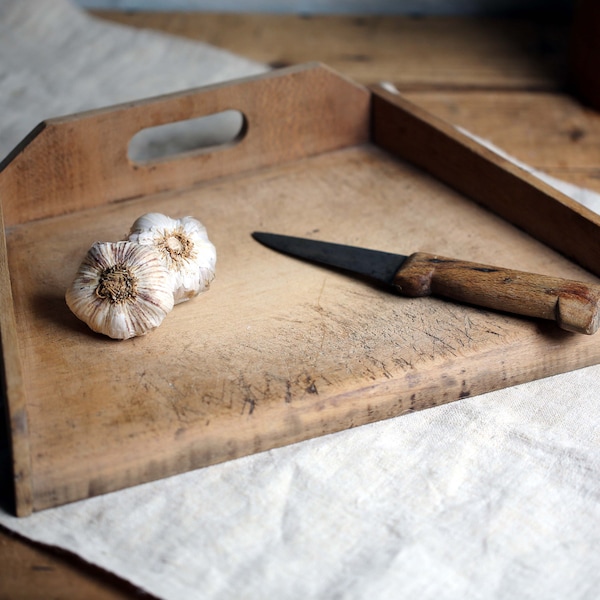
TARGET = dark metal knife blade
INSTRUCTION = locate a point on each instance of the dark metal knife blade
(574, 305)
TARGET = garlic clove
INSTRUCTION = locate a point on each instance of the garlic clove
(121, 290)
(187, 252)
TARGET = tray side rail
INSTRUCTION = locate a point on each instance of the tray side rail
(80, 161)
(414, 135)
(13, 390)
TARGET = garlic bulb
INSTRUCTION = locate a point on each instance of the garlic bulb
(185, 248)
(122, 290)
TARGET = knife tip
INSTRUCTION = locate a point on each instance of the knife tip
(259, 236)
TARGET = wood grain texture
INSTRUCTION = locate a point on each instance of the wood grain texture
(552, 132)
(31, 571)
(260, 361)
(297, 124)
(450, 155)
(412, 53)
(13, 391)
(575, 306)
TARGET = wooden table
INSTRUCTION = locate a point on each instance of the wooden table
(504, 80)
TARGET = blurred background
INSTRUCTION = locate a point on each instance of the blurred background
(389, 7)
(580, 53)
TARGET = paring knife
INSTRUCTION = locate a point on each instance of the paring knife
(574, 305)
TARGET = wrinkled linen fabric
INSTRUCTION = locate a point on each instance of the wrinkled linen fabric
(56, 60)
(496, 496)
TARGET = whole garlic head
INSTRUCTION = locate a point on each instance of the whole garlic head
(121, 290)
(186, 251)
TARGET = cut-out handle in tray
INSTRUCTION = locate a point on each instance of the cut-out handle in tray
(76, 162)
(211, 133)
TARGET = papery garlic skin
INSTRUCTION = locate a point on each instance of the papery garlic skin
(187, 252)
(121, 290)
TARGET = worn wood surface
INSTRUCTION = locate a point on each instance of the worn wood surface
(30, 571)
(552, 132)
(539, 135)
(309, 170)
(281, 362)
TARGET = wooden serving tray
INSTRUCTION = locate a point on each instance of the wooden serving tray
(278, 350)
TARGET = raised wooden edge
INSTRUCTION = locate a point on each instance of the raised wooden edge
(14, 392)
(281, 424)
(411, 133)
(79, 161)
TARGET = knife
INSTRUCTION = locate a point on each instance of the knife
(575, 306)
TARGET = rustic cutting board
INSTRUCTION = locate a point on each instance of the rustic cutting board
(278, 350)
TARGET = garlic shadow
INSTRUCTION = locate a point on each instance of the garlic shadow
(52, 308)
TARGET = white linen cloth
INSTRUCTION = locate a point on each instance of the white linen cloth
(496, 496)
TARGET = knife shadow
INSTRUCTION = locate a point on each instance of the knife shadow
(546, 328)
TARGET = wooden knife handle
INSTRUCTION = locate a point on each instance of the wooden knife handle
(575, 306)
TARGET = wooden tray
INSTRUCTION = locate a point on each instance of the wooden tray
(278, 350)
